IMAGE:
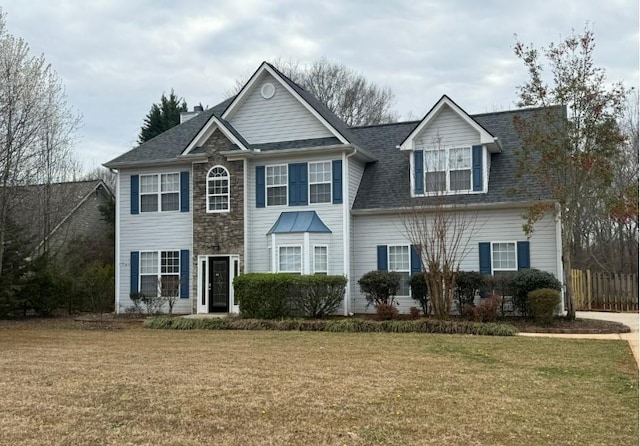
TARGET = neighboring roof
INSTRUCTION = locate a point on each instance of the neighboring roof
(302, 221)
(64, 199)
(385, 183)
(302, 143)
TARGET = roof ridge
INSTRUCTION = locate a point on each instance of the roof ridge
(518, 110)
(383, 124)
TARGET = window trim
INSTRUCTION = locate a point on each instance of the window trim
(266, 185)
(227, 177)
(158, 193)
(301, 271)
(400, 245)
(313, 253)
(515, 250)
(447, 170)
(159, 273)
(330, 182)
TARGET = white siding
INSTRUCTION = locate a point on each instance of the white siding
(260, 221)
(356, 169)
(153, 231)
(281, 118)
(447, 129)
(493, 225)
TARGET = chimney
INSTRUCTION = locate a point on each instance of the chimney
(185, 116)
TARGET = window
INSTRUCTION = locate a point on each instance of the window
(320, 260)
(503, 256)
(448, 170)
(160, 272)
(290, 259)
(320, 182)
(218, 190)
(400, 262)
(277, 178)
(160, 192)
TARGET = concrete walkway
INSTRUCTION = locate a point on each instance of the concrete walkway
(629, 319)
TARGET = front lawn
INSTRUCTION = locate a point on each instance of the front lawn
(70, 386)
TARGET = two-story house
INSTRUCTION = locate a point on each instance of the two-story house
(272, 181)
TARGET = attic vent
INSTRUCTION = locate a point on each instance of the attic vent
(268, 90)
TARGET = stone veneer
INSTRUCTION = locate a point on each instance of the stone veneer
(224, 228)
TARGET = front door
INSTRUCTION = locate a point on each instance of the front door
(218, 284)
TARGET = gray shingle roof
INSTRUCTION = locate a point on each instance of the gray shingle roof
(385, 183)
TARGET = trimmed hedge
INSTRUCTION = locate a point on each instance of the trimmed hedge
(380, 287)
(542, 303)
(527, 280)
(277, 296)
(350, 325)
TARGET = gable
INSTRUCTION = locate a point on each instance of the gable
(279, 118)
(446, 129)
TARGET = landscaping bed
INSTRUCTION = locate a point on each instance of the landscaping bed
(562, 325)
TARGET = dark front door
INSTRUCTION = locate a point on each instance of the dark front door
(218, 284)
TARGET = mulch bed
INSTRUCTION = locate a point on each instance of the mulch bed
(562, 325)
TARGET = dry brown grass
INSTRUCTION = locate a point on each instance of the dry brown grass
(65, 386)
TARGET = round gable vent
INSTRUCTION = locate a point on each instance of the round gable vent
(268, 90)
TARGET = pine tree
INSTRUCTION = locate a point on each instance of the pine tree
(162, 116)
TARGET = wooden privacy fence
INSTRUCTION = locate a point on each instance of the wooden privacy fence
(604, 291)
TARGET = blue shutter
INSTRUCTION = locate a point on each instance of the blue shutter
(134, 263)
(476, 163)
(382, 258)
(260, 186)
(184, 273)
(418, 165)
(184, 191)
(337, 181)
(303, 188)
(293, 184)
(484, 249)
(524, 260)
(135, 194)
(416, 266)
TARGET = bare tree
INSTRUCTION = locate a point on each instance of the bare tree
(35, 123)
(100, 173)
(346, 92)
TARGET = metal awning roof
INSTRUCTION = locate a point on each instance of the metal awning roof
(302, 221)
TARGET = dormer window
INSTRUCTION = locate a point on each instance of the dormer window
(447, 170)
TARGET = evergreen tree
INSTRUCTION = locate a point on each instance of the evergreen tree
(162, 116)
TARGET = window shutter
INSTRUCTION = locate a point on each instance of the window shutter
(135, 269)
(476, 163)
(293, 185)
(303, 188)
(336, 168)
(416, 266)
(382, 258)
(418, 166)
(184, 273)
(484, 250)
(135, 193)
(184, 191)
(260, 186)
(524, 260)
(297, 184)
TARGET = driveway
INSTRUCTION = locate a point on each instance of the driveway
(632, 320)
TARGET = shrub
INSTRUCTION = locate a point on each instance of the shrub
(542, 304)
(317, 296)
(264, 295)
(420, 291)
(386, 312)
(414, 313)
(468, 283)
(500, 284)
(485, 311)
(527, 280)
(380, 287)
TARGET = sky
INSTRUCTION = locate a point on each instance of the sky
(117, 57)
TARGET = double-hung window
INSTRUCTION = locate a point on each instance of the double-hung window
(290, 259)
(159, 272)
(320, 182)
(503, 256)
(400, 262)
(320, 259)
(277, 177)
(448, 170)
(160, 192)
(218, 190)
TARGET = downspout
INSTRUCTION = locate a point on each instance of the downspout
(561, 277)
(117, 242)
(346, 228)
(245, 217)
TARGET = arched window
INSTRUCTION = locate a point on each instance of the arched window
(218, 189)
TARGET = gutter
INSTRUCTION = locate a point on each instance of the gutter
(450, 207)
(234, 155)
(346, 230)
(158, 163)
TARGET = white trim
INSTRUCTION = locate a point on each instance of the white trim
(266, 186)
(400, 245)
(159, 192)
(301, 258)
(313, 257)
(306, 255)
(346, 232)
(227, 177)
(558, 218)
(202, 308)
(330, 182)
(207, 130)
(485, 136)
(117, 247)
(274, 254)
(204, 259)
(249, 86)
(515, 247)
(159, 273)
(245, 216)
